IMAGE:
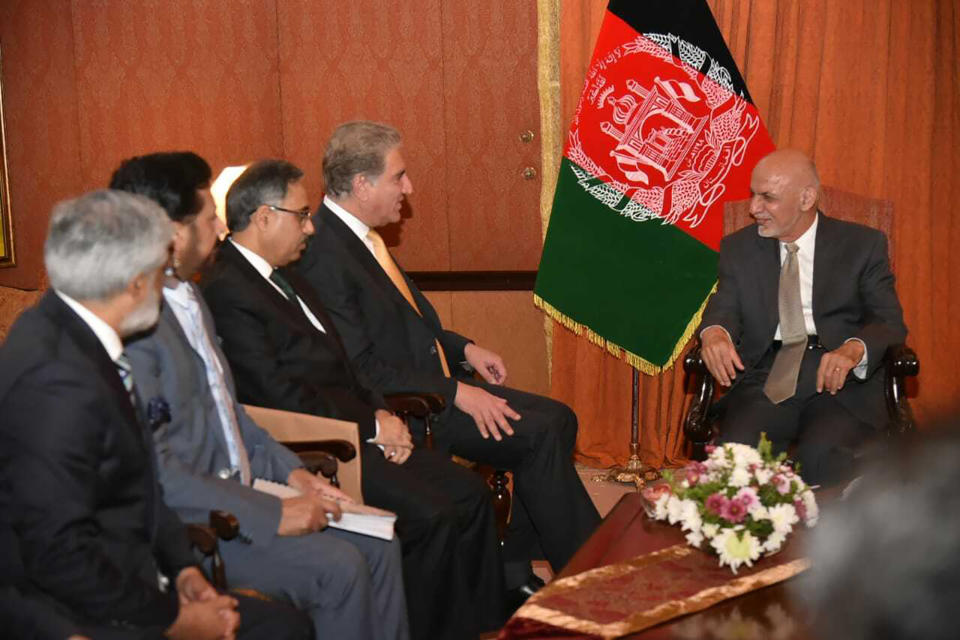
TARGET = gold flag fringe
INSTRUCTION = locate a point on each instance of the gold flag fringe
(635, 361)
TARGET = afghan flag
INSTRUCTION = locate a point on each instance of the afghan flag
(665, 132)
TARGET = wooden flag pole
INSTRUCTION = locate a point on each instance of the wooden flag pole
(634, 471)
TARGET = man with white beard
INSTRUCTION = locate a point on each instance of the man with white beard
(78, 482)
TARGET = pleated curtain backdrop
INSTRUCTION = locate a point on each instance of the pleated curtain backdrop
(868, 88)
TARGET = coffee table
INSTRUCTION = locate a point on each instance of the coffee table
(626, 532)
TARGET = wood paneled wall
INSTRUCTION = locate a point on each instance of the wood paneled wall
(88, 83)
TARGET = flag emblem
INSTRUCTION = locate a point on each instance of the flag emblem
(665, 132)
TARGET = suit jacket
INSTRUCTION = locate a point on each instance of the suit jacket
(391, 345)
(76, 467)
(853, 297)
(192, 448)
(278, 358)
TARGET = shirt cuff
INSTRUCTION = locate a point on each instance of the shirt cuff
(860, 371)
(376, 434)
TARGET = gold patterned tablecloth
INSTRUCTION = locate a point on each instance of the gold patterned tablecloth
(618, 599)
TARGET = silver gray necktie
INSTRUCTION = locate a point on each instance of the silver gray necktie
(782, 380)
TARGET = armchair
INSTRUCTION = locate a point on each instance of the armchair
(900, 362)
(426, 406)
(321, 443)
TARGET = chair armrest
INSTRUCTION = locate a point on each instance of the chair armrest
(202, 537)
(901, 360)
(697, 427)
(320, 462)
(342, 450)
(418, 405)
(693, 362)
(224, 526)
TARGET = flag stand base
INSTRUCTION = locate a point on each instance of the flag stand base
(635, 472)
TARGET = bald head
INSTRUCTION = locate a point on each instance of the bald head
(785, 188)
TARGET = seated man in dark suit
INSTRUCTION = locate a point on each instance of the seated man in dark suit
(210, 450)
(804, 311)
(77, 477)
(395, 340)
(286, 353)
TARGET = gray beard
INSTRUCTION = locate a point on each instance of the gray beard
(144, 316)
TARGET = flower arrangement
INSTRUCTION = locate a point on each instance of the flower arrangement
(740, 503)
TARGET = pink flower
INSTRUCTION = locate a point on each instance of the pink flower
(716, 503)
(694, 471)
(710, 448)
(782, 483)
(747, 497)
(801, 508)
(734, 511)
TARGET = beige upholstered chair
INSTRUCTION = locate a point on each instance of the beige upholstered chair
(304, 433)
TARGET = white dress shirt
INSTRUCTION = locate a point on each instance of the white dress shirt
(104, 332)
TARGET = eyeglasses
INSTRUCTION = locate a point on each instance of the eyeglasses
(304, 213)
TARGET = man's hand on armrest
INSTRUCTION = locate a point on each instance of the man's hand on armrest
(836, 364)
(488, 411)
(719, 355)
(394, 437)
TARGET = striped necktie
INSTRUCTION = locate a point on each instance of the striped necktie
(126, 376)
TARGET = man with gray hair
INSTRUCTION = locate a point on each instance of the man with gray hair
(396, 341)
(77, 475)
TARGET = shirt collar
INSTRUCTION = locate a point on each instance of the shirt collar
(359, 228)
(262, 266)
(180, 295)
(105, 334)
(806, 242)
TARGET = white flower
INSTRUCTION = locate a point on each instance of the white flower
(735, 550)
(740, 477)
(759, 512)
(674, 509)
(763, 474)
(774, 541)
(709, 529)
(660, 507)
(694, 538)
(782, 517)
(744, 455)
(690, 516)
(813, 512)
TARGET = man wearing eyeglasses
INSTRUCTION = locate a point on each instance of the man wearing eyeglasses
(286, 353)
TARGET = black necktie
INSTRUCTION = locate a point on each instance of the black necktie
(284, 285)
